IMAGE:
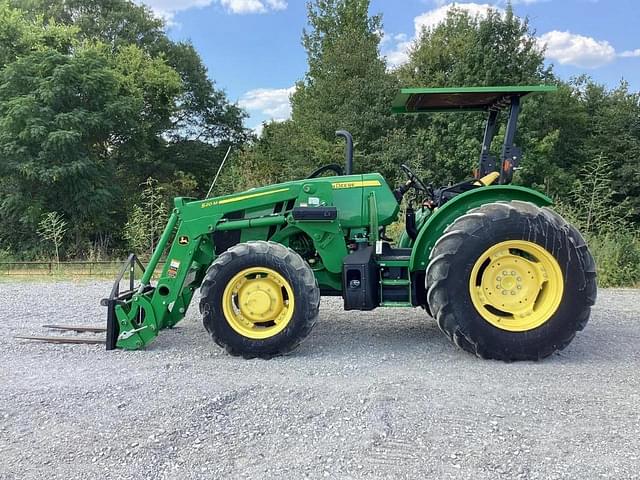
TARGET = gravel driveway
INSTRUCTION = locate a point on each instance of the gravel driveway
(368, 395)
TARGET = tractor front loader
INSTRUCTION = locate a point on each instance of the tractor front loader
(504, 276)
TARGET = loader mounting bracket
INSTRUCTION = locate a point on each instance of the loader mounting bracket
(120, 298)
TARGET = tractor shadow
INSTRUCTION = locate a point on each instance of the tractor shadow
(412, 332)
(378, 333)
(387, 331)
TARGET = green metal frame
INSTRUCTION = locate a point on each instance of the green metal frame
(362, 200)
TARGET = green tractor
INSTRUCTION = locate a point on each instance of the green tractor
(504, 276)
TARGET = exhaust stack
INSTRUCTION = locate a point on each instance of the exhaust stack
(348, 151)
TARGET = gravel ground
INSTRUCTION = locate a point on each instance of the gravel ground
(368, 395)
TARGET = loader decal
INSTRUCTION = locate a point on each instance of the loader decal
(359, 184)
(242, 197)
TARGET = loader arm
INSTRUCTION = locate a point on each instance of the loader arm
(199, 231)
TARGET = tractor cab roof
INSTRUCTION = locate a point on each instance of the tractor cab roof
(465, 99)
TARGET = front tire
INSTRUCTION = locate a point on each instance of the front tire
(259, 299)
(511, 281)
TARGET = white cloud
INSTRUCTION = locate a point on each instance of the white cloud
(631, 53)
(243, 6)
(277, 4)
(527, 2)
(272, 103)
(399, 54)
(167, 9)
(253, 6)
(577, 50)
(258, 130)
(434, 17)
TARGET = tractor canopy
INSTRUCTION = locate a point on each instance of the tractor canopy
(464, 99)
(476, 99)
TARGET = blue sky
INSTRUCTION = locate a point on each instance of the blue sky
(252, 47)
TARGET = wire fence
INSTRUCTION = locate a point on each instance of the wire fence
(71, 268)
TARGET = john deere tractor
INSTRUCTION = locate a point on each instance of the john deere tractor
(504, 276)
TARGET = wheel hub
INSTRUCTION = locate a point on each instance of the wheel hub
(258, 302)
(511, 283)
(510, 287)
(258, 298)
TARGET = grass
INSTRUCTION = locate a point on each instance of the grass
(43, 271)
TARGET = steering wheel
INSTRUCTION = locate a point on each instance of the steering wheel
(334, 167)
(414, 179)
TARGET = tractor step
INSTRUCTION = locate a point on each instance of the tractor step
(395, 282)
(77, 328)
(74, 340)
(396, 304)
(394, 262)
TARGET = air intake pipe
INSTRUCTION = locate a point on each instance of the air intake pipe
(348, 151)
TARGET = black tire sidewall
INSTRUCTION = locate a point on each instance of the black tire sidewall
(217, 324)
(558, 328)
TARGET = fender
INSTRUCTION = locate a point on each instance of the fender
(444, 216)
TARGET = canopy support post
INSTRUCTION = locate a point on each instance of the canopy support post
(487, 162)
(511, 154)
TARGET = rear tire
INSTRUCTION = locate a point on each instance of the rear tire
(254, 334)
(452, 288)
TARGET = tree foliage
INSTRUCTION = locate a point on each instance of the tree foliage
(346, 84)
(95, 98)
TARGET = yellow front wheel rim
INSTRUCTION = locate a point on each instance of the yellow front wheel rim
(516, 285)
(258, 303)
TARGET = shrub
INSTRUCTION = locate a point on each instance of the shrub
(617, 256)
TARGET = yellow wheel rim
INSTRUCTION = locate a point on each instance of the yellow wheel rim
(258, 303)
(516, 285)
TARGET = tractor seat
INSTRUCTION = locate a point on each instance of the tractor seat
(487, 179)
(445, 194)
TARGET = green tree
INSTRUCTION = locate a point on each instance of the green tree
(94, 98)
(64, 117)
(498, 49)
(346, 84)
(284, 151)
(202, 123)
(591, 205)
(613, 131)
(605, 223)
